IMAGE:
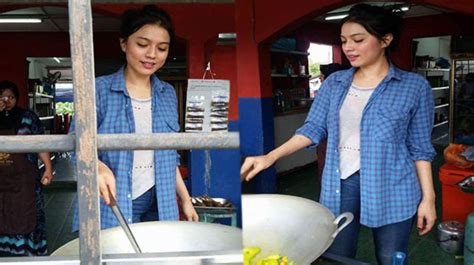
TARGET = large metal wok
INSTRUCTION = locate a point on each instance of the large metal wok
(163, 237)
(295, 227)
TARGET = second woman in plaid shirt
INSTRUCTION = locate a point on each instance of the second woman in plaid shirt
(377, 120)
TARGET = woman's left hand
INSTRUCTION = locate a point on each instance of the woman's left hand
(426, 216)
(189, 211)
(47, 177)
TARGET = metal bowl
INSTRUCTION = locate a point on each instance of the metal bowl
(295, 227)
(163, 237)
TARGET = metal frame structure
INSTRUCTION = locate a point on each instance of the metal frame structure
(86, 142)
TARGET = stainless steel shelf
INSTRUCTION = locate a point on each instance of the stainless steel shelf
(41, 95)
(432, 69)
(440, 88)
(440, 124)
(442, 106)
(289, 52)
(46, 118)
(440, 137)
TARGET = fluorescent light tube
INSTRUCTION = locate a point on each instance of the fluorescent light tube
(227, 36)
(335, 17)
(405, 8)
(20, 20)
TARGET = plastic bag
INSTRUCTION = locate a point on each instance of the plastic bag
(468, 153)
(452, 156)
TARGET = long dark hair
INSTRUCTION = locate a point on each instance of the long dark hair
(378, 21)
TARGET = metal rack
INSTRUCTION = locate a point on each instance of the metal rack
(86, 142)
(439, 80)
(461, 106)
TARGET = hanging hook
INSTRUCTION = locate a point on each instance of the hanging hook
(208, 69)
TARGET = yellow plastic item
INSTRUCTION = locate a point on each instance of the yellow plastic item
(250, 253)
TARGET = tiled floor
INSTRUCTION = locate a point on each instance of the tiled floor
(422, 250)
(59, 197)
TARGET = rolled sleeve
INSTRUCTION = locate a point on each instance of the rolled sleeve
(314, 127)
(420, 127)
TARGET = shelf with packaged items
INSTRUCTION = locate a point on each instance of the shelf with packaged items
(290, 81)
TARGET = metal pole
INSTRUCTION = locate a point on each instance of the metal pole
(82, 53)
(175, 141)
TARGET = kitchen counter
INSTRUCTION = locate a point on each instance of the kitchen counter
(284, 128)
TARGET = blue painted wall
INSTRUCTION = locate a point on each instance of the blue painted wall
(257, 138)
(216, 173)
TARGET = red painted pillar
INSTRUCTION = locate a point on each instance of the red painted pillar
(255, 95)
(196, 58)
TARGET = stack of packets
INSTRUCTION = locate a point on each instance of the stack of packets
(207, 106)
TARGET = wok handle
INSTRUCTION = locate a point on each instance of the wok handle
(348, 219)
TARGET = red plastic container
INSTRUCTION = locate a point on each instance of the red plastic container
(456, 203)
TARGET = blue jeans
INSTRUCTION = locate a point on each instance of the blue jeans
(144, 208)
(387, 239)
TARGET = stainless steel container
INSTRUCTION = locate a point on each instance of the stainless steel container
(165, 237)
(451, 236)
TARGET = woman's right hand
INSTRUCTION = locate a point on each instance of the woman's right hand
(253, 165)
(106, 184)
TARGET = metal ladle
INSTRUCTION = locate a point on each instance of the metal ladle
(123, 223)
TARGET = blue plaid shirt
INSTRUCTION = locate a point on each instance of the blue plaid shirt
(115, 115)
(395, 132)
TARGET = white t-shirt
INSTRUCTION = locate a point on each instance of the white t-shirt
(143, 173)
(350, 116)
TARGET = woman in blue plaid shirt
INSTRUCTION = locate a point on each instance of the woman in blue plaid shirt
(377, 120)
(145, 183)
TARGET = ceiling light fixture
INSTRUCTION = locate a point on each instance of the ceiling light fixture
(20, 20)
(227, 36)
(341, 15)
(336, 17)
(405, 8)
